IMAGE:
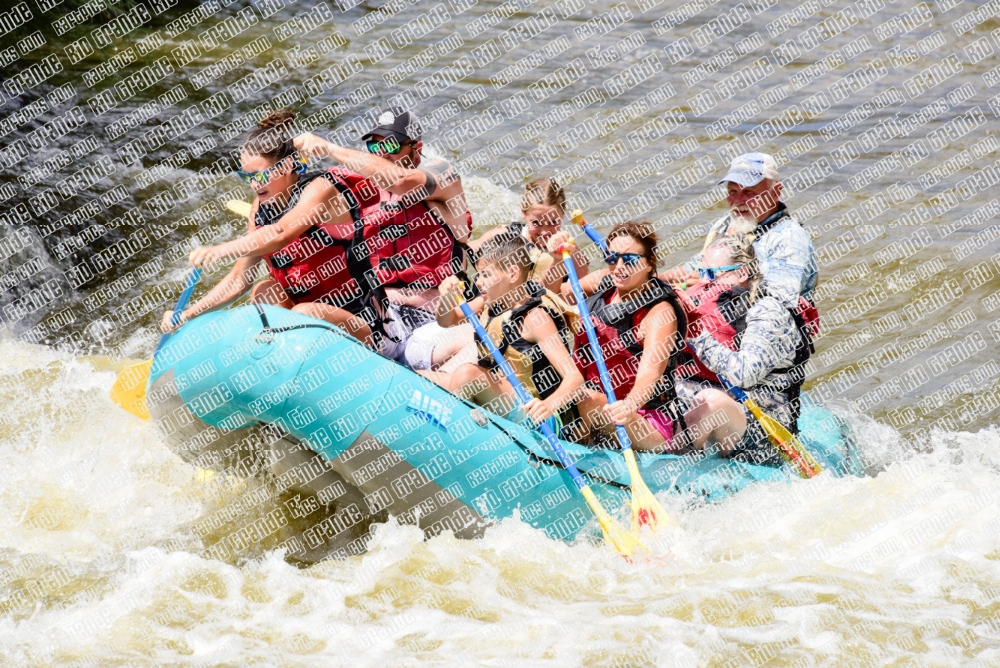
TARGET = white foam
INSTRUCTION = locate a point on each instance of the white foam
(806, 570)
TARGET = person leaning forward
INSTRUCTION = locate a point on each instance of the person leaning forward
(424, 223)
(786, 253)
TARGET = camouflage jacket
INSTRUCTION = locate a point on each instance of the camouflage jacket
(787, 258)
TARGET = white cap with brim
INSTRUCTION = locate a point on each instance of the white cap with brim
(751, 168)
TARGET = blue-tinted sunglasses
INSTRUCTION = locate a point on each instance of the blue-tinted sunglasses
(712, 273)
(630, 259)
(265, 176)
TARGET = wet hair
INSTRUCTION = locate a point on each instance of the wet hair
(642, 233)
(543, 191)
(272, 138)
(506, 250)
(741, 251)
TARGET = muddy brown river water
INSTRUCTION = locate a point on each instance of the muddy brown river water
(884, 120)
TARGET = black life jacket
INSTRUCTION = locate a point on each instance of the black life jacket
(530, 364)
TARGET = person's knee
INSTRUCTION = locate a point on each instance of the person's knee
(470, 380)
(267, 292)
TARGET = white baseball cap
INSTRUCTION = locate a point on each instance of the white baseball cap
(751, 168)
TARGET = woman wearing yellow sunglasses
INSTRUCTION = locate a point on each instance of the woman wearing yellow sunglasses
(303, 228)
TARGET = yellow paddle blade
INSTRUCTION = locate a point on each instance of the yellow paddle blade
(129, 390)
(785, 442)
(645, 508)
(624, 542)
(241, 209)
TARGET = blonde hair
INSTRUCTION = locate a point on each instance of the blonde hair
(741, 251)
(543, 191)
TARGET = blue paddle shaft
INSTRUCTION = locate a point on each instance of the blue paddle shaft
(740, 395)
(595, 347)
(595, 237)
(522, 394)
(181, 303)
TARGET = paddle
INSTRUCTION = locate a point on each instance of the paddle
(783, 440)
(577, 217)
(613, 534)
(645, 508)
(241, 209)
(129, 390)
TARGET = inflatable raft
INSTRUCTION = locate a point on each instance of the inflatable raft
(359, 437)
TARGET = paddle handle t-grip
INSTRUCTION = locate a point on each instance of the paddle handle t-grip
(522, 394)
(595, 346)
(192, 281)
(577, 217)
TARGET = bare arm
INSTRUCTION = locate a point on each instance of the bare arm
(476, 244)
(554, 275)
(435, 180)
(588, 283)
(449, 314)
(320, 203)
(541, 329)
(232, 286)
(659, 337)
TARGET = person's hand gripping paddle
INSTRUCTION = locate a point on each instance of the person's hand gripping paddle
(614, 535)
(129, 390)
(783, 440)
(645, 508)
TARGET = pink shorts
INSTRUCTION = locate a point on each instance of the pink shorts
(659, 421)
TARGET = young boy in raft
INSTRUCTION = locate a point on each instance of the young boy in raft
(527, 326)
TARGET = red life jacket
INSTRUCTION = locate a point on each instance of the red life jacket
(415, 247)
(617, 328)
(721, 311)
(318, 266)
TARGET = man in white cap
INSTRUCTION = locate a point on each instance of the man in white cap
(785, 251)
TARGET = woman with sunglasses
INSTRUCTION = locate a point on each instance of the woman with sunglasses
(750, 338)
(639, 324)
(543, 208)
(303, 225)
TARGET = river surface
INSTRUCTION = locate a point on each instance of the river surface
(99, 561)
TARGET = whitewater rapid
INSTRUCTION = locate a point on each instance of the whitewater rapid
(101, 562)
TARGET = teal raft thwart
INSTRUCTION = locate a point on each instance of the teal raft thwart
(269, 388)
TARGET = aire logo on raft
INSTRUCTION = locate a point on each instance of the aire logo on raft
(430, 409)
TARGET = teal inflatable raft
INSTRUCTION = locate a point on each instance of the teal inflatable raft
(266, 389)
